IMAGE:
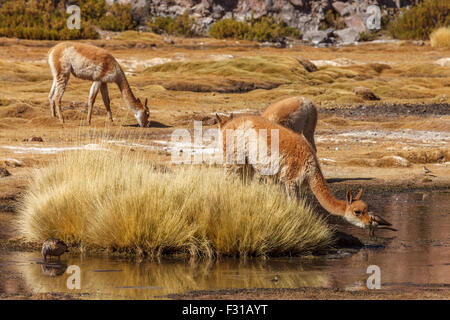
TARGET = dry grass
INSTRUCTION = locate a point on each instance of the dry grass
(440, 37)
(122, 202)
(269, 68)
(131, 35)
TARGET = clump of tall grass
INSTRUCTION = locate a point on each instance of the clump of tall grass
(440, 37)
(122, 202)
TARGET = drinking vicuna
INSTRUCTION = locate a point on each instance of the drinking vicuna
(298, 166)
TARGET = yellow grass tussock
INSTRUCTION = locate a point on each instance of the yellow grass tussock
(440, 37)
(122, 202)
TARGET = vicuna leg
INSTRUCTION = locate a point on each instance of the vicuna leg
(51, 98)
(92, 95)
(105, 96)
(292, 190)
(59, 92)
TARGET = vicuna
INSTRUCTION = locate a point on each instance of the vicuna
(95, 64)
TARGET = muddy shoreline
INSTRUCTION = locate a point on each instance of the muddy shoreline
(441, 293)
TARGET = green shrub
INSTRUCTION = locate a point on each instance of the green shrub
(118, 18)
(368, 36)
(39, 20)
(47, 19)
(418, 22)
(229, 29)
(264, 29)
(332, 19)
(180, 26)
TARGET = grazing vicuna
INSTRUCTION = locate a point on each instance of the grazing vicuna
(298, 165)
(95, 64)
(296, 113)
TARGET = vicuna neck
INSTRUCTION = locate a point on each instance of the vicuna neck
(127, 94)
(323, 194)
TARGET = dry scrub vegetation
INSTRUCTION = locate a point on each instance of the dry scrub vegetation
(440, 37)
(121, 202)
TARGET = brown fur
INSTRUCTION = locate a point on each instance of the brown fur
(95, 64)
(299, 166)
(296, 113)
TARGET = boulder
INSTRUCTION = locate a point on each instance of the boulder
(443, 62)
(355, 22)
(344, 9)
(315, 37)
(348, 35)
(365, 93)
(308, 65)
(37, 139)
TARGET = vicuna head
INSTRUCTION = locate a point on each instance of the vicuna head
(222, 120)
(142, 114)
(358, 214)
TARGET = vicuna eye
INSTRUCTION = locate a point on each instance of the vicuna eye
(357, 212)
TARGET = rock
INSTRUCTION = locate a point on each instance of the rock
(348, 35)
(168, 40)
(315, 37)
(37, 139)
(393, 161)
(344, 240)
(344, 9)
(12, 163)
(365, 93)
(298, 3)
(418, 43)
(355, 22)
(444, 62)
(4, 172)
(308, 65)
(304, 15)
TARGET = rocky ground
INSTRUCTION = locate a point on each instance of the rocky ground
(320, 22)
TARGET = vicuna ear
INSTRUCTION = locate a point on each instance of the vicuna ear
(231, 116)
(349, 196)
(358, 196)
(219, 119)
(138, 100)
(145, 104)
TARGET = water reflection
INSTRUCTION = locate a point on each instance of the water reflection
(112, 278)
(53, 269)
